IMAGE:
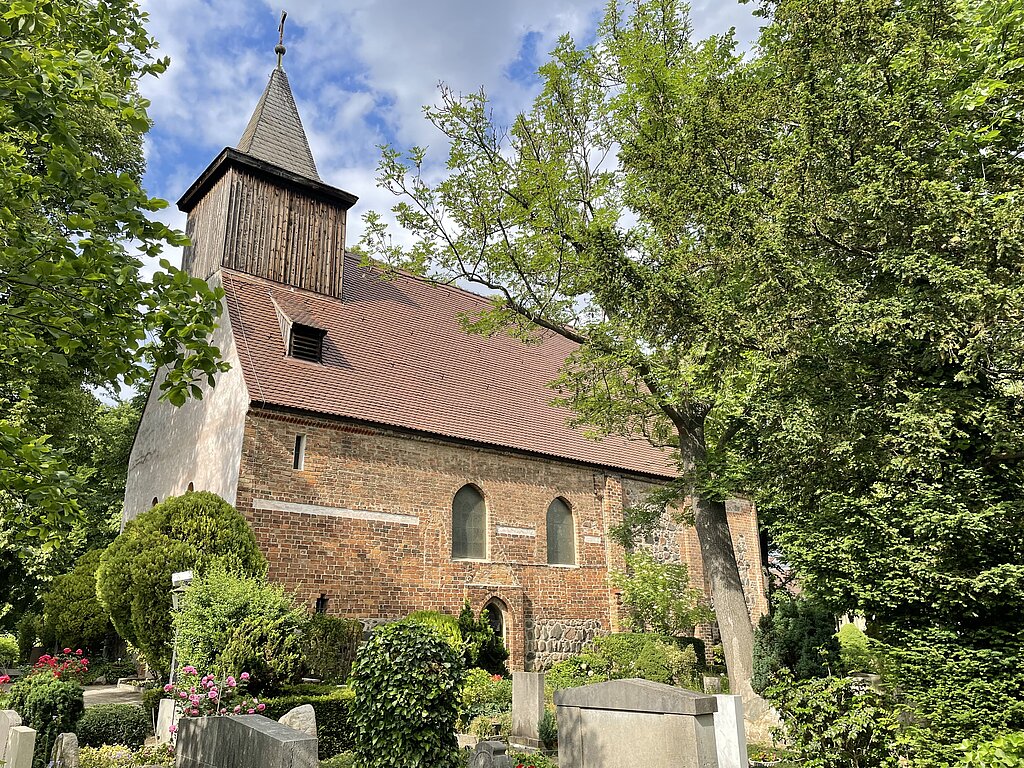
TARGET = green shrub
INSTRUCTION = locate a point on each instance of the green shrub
(1005, 751)
(548, 729)
(123, 757)
(446, 625)
(407, 681)
(49, 705)
(111, 671)
(798, 636)
(27, 630)
(582, 669)
(190, 532)
(483, 695)
(484, 649)
(72, 615)
(534, 760)
(482, 726)
(151, 701)
(334, 732)
(835, 722)
(124, 724)
(651, 657)
(329, 647)
(854, 650)
(342, 760)
(659, 596)
(10, 653)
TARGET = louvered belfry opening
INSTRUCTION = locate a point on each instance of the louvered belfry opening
(306, 343)
(261, 207)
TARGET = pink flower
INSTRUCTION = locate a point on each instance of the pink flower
(183, 695)
(237, 709)
(67, 650)
(4, 679)
(212, 694)
(168, 688)
(173, 729)
(230, 682)
(78, 652)
(223, 711)
(244, 675)
(252, 712)
(261, 707)
(188, 669)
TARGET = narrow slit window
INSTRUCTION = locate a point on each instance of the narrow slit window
(299, 454)
(561, 534)
(306, 343)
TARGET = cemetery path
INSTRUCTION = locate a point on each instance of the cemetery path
(110, 694)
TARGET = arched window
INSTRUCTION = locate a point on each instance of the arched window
(469, 524)
(561, 534)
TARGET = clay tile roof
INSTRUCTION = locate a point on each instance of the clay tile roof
(396, 354)
(274, 133)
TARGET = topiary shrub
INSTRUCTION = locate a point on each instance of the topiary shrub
(407, 682)
(49, 705)
(798, 636)
(72, 615)
(190, 532)
(241, 624)
(9, 651)
(333, 726)
(125, 724)
(329, 647)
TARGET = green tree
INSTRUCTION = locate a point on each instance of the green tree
(74, 227)
(194, 532)
(659, 597)
(72, 616)
(605, 215)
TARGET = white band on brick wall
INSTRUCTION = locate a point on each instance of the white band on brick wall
(592, 539)
(353, 514)
(506, 531)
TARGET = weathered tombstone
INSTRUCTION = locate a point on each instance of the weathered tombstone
(527, 708)
(301, 718)
(730, 733)
(167, 715)
(8, 719)
(635, 722)
(712, 684)
(242, 742)
(65, 751)
(490, 754)
(21, 745)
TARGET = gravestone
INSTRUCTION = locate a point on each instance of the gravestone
(302, 718)
(245, 741)
(21, 745)
(730, 733)
(167, 715)
(65, 751)
(527, 708)
(8, 720)
(635, 722)
(490, 754)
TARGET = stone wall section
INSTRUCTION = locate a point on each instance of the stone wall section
(554, 640)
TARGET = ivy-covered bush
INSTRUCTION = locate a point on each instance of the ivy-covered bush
(189, 532)
(798, 636)
(484, 649)
(72, 615)
(334, 730)
(836, 722)
(241, 624)
(445, 624)
(161, 755)
(1004, 751)
(9, 651)
(49, 705)
(125, 724)
(407, 682)
(329, 647)
(484, 694)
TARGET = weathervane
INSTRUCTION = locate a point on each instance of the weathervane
(279, 49)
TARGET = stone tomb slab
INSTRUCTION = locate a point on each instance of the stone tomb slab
(245, 741)
(635, 722)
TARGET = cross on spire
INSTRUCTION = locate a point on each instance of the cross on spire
(279, 49)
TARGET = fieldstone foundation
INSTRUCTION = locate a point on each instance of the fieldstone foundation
(549, 641)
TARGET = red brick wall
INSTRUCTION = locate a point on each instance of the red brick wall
(383, 569)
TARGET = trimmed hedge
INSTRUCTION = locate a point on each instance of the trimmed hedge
(332, 716)
(49, 705)
(123, 724)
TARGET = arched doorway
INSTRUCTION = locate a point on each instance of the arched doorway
(495, 612)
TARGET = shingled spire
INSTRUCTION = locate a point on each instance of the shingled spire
(275, 134)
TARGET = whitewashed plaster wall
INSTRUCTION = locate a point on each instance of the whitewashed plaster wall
(198, 443)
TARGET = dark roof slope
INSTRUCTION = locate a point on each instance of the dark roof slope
(274, 133)
(396, 354)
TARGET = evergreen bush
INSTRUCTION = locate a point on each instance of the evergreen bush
(72, 615)
(407, 682)
(127, 725)
(189, 532)
(49, 705)
(333, 721)
(27, 630)
(798, 636)
(329, 647)
(484, 649)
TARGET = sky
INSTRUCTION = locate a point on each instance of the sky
(360, 70)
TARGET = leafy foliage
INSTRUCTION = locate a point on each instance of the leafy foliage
(72, 615)
(407, 683)
(333, 720)
(329, 647)
(835, 722)
(9, 651)
(445, 624)
(191, 532)
(157, 756)
(124, 724)
(73, 296)
(548, 729)
(796, 639)
(50, 706)
(615, 657)
(854, 649)
(28, 628)
(484, 694)
(659, 596)
(484, 649)
(1005, 751)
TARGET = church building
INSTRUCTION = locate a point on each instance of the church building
(387, 460)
